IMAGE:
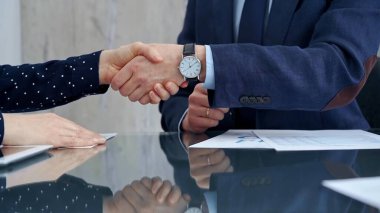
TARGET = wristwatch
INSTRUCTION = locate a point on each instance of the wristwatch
(190, 66)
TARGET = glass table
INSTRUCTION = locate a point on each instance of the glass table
(156, 172)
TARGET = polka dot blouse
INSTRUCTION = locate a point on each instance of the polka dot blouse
(32, 87)
(67, 194)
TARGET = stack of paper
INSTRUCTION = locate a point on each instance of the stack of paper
(293, 140)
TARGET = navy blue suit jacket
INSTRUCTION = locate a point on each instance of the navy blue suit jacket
(315, 57)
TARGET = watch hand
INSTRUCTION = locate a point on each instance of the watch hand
(193, 64)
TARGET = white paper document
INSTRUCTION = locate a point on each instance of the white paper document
(293, 140)
(365, 190)
(234, 139)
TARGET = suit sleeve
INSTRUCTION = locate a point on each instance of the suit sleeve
(173, 109)
(32, 87)
(327, 74)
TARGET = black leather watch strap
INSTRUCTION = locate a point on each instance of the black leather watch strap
(189, 49)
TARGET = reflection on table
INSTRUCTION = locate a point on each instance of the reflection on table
(113, 178)
(266, 181)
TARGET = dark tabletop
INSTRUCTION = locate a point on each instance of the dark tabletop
(238, 180)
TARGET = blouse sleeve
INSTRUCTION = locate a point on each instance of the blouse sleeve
(31, 87)
(1, 128)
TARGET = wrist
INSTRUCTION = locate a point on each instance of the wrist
(10, 122)
(105, 67)
(200, 51)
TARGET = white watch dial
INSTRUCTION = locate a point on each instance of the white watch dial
(190, 67)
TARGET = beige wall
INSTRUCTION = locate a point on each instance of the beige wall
(62, 28)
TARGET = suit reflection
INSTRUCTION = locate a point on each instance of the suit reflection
(261, 181)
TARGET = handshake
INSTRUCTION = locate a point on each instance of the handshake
(147, 73)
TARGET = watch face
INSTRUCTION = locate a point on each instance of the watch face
(190, 67)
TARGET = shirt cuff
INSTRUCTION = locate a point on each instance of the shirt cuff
(210, 77)
(179, 132)
(179, 129)
(1, 128)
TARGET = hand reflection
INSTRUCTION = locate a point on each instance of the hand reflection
(148, 195)
(189, 139)
(204, 162)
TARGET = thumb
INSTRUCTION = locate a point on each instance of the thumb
(149, 52)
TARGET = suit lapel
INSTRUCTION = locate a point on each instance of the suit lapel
(281, 15)
(223, 21)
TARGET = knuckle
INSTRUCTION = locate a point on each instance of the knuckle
(134, 68)
(192, 98)
(123, 93)
(132, 98)
(135, 184)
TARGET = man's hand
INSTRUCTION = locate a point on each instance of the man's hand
(47, 128)
(205, 162)
(200, 116)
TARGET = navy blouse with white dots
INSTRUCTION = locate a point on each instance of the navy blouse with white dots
(32, 87)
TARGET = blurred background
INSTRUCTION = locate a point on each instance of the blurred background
(40, 30)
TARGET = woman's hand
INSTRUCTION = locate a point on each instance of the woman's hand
(46, 128)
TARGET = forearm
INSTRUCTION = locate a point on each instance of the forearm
(40, 86)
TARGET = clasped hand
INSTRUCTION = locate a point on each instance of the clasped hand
(142, 72)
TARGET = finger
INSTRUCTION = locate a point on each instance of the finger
(202, 123)
(200, 88)
(145, 99)
(121, 78)
(69, 141)
(164, 191)
(208, 159)
(137, 94)
(174, 195)
(184, 84)
(128, 88)
(216, 157)
(147, 182)
(204, 172)
(148, 52)
(154, 98)
(214, 114)
(161, 92)
(224, 110)
(194, 153)
(156, 184)
(171, 87)
(198, 99)
(132, 197)
(85, 133)
(143, 191)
